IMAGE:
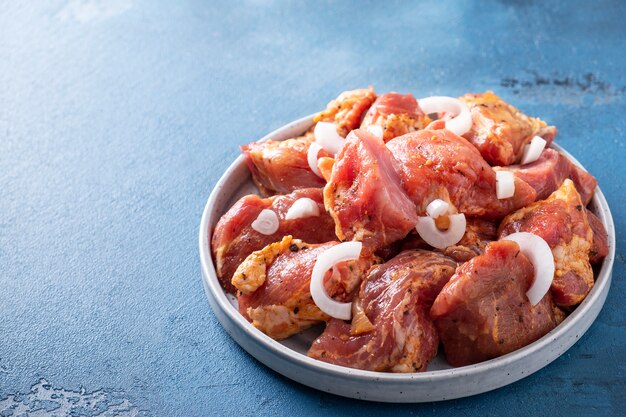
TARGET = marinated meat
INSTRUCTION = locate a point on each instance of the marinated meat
(600, 242)
(437, 164)
(483, 312)
(347, 110)
(548, 172)
(499, 130)
(280, 167)
(396, 114)
(471, 296)
(277, 299)
(365, 196)
(234, 238)
(561, 220)
(395, 298)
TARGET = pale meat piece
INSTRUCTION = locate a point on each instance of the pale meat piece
(397, 114)
(280, 167)
(234, 238)
(365, 196)
(600, 242)
(548, 172)
(347, 110)
(561, 220)
(499, 130)
(277, 298)
(252, 272)
(437, 164)
(395, 297)
(483, 312)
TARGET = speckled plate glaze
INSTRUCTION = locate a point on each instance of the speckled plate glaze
(441, 382)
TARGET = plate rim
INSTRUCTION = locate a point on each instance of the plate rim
(220, 300)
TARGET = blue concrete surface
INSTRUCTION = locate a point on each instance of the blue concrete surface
(117, 118)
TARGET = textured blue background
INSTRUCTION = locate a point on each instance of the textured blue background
(117, 118)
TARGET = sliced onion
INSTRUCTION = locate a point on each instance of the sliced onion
(461, 123)
(440, 239)
(532, 151)
(266, 222)
(325, 166)
(505, 184)
(311, 157)
(360, 322)
(302, 207)
(327, 137)
(538, 252)
(437, 208)
(342, 252)
(376, 131)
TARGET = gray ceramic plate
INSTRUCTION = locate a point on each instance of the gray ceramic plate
(441, 382)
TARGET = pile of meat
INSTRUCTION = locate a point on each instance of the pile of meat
(407, 297)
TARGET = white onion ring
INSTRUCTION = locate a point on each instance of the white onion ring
(311, 157)
(342, 252)
(533, 150)
(327, 137)
(540, 255)
(376, 131)
(266, 222)
(505, 184)
(302, 207)
(437, 208)
(440, 239)
(462, 121)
